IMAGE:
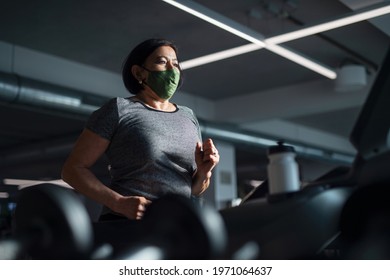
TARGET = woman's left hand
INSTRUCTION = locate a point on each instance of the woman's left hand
(206, 158)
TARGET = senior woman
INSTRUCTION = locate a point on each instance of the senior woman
(154, 146)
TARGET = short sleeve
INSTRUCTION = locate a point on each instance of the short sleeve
(190, 113)
(104, 120)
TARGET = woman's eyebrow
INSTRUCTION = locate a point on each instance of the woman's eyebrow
(167, 58)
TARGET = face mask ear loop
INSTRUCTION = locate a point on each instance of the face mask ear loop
(145, 82)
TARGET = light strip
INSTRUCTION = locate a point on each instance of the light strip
(371, 12)
(219, 56)
(293, 56)
(346, 20)
(212, 20)
(250, 35)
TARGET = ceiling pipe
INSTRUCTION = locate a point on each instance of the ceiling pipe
(235, 135)
(16, 90)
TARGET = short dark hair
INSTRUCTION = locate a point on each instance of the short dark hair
(137, 57)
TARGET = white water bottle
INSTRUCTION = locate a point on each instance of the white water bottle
(282, 169)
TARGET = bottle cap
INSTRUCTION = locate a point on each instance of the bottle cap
(280, 148)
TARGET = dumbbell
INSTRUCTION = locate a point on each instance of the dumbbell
(49, 223)
(175, 227)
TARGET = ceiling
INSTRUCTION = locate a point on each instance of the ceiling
(77, 48)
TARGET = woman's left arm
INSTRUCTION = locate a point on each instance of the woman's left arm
(206, 158)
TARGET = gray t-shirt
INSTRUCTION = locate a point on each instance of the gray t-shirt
(151, 152)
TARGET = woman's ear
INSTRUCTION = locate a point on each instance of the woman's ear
(136, 71)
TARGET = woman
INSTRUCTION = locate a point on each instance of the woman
(153, 145)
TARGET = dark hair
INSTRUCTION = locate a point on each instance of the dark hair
(137, 57)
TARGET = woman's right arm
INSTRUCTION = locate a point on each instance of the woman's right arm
(77, 173)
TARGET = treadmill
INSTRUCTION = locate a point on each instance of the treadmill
(344, 214)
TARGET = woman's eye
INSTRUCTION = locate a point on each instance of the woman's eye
(162, 62)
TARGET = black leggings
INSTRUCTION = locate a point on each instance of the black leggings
(111, 217)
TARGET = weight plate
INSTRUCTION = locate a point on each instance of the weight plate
(185, 230)
(55, 221)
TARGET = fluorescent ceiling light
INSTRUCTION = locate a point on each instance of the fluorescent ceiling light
(219, 21)
(364, 14)
(371, 12)
(308, 63)
(248, 34)
(219, 56)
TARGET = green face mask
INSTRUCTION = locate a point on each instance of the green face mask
(164, 83)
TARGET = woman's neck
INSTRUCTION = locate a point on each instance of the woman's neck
(155, 102)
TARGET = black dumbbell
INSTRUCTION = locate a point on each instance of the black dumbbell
(175, 228)
(49, 223)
